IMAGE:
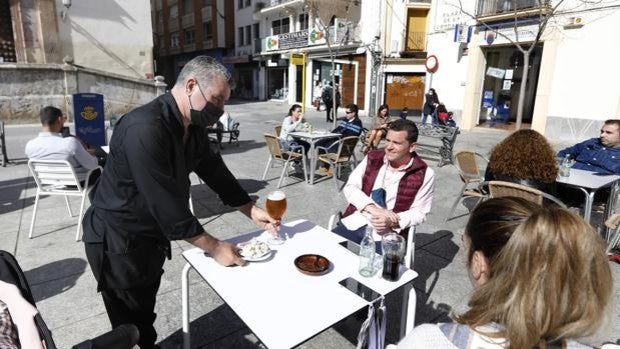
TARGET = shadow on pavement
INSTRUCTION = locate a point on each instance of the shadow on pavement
(54, 278)
(241, 147)
(208, 204)
(219, 328)
(10, 194)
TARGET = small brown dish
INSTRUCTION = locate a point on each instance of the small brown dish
(312, 264)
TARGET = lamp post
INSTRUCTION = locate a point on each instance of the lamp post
(375, 55)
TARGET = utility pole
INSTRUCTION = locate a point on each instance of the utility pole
(376, 56)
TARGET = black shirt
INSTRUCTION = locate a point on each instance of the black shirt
(144, 189)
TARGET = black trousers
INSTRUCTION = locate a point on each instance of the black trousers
(134, 305)
(328, 112)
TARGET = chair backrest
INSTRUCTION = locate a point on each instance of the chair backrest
(273, 144)
(499, 189)
(347, 147)
(467, 164)
(53, 174)
(278, 130)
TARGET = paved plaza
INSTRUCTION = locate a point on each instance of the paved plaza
(65, 290)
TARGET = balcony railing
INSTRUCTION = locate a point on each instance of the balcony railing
(495, 7)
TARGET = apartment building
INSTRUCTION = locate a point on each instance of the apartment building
(183, 29)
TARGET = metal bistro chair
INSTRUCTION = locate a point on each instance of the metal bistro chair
(57, 177)
(470, 172)
(344, 155)
(285, 157)
(500, 189)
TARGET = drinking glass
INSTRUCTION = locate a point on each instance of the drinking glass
(393, 246)
(276, 206)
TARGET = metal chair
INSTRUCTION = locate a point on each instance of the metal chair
(613, 239)
(500, 189)
(344, 155)
(285, 157)
(466, 162)
(57, 177)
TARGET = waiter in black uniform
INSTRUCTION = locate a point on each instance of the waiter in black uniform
(141, 200)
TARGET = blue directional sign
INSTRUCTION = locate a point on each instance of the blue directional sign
(89, 118)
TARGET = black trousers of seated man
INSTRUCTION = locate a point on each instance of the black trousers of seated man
(135, 305)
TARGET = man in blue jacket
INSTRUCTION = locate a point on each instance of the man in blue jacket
(598, 154)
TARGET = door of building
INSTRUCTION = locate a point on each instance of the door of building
(404, 90)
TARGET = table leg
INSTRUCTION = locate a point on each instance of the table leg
(611, 205)
(587, 209)
(312, 162)
(185, 305)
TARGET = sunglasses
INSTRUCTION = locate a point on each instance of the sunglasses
(349, 111)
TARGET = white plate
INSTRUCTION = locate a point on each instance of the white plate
(258, 259)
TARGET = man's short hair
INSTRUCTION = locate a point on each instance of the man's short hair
(613, 122)
(354, 108)
(204, 69)
(49, 115)
(405, 125)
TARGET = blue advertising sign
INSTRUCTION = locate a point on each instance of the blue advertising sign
(89, 118)
(487, 99)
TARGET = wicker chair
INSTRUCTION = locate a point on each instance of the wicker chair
(285, 157)
(344, 155)
(466, 163)
(500, 189)
(278, 129)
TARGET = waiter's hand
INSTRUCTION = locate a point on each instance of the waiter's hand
(226, 254)
(263, 220)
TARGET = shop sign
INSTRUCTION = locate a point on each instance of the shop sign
(462, 33)
(272, 43)
(293, 40)
(316, 37)
(509, 35)
(297, 59)
(487, 99)
(496, 72)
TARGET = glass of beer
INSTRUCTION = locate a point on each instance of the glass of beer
(276, 206)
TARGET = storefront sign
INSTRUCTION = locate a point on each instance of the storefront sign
(272, 43)
(462, 33)
(297, 59)
(316, 37)
(293, 40)
(487, 99)
(509, 35)
(496, 72)
(508, 74)
(507, 84)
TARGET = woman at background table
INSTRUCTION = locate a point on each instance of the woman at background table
(525, 157)
(380, 128)
(293, 122)
(540, 277)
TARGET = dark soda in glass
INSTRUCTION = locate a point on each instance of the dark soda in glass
(391, 266)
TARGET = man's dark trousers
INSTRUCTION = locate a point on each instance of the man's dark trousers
(134, 305)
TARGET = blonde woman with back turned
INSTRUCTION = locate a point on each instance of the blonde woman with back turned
(541, 280)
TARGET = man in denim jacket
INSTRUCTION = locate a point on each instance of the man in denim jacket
(598, 154)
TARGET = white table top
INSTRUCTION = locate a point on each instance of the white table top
(587, 179)
(282, 306)
(314, 135)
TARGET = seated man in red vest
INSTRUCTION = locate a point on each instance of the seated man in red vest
(391, 187)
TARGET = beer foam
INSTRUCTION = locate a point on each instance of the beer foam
(276, 195)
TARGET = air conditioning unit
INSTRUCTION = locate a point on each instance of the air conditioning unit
(574, 22)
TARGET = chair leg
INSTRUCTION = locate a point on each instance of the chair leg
(34, 214)
(335, 175)
(68, 206)
(303, 163)
(267, 168)
(456, 202)
(79, 226)
(284, 170)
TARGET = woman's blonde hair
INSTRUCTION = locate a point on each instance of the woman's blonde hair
(550, 280)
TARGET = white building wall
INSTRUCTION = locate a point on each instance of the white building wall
(113, 36)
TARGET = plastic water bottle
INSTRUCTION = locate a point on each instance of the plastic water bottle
(566, 165)
(309, 128)
(367, 254)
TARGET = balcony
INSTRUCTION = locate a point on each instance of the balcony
(206, 14)
(503, 9)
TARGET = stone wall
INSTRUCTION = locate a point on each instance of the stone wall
(26, 88)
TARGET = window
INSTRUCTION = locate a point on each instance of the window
(248, 2)
(303, 21)
(174, 11)
(188, 7)
(159, 17)
(162, 42)
(208, 30)
(189, 37)
(240, 36)
(248, 34)
(256, 31)
(280, 26)
(240, 4)
(174, 40)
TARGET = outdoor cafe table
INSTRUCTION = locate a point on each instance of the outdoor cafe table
(589, 183)
(312, 138)
(282, 306)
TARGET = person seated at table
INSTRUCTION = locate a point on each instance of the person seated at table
(393, 187)
(51, 145)
(525, 157)
(541, 280)
(379, 130)
(598, 154)
(293, 122)
(350, 126)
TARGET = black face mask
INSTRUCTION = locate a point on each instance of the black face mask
(208, 116)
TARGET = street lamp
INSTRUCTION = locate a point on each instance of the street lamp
(376, 56)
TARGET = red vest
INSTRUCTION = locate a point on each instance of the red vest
(407, 187)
